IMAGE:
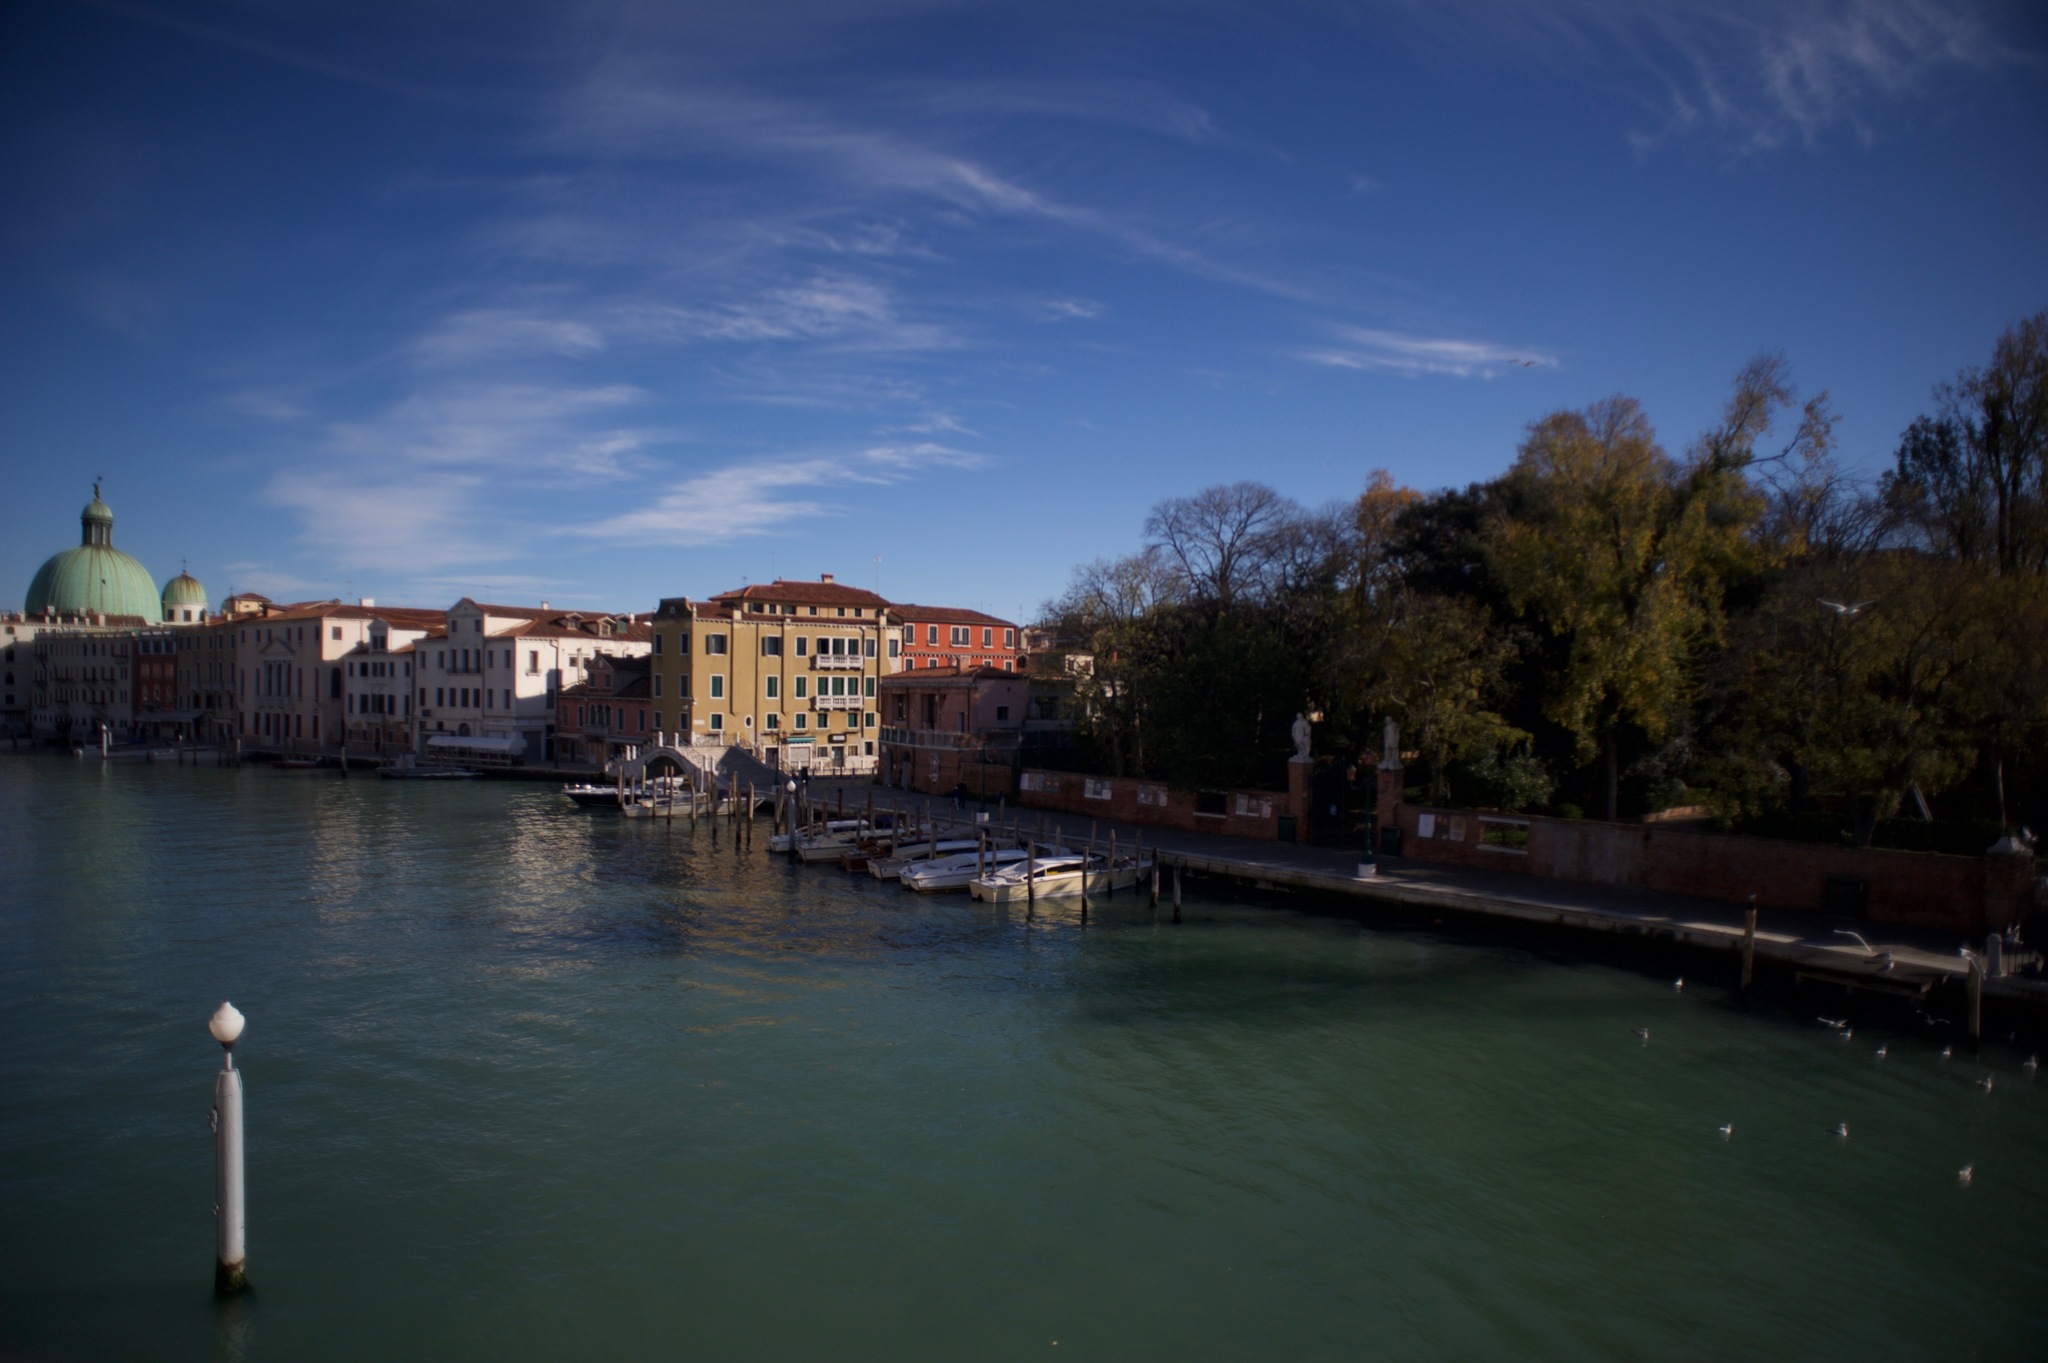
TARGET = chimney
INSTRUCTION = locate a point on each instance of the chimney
(543, 605)
(824, 577)
(366, 601)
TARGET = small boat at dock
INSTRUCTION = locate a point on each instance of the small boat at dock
(1060, 877)
(957, 870)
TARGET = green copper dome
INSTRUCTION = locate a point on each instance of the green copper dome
(183, 590)
(95, 577)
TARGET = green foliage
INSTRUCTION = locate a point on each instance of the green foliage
(1605, 623)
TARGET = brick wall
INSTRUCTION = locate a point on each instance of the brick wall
(1918, 889)
(1247, 813)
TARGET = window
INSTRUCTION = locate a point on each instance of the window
(931, 634)
(802, 645)
(714, 643)
(657, 684)
(869, 686)
(717, 686)
(1094, 788)
(813, 610)
(801, 719)
(957, 635)
(717, 723)
(824, 645)
(802, 683)
(1152, 795)
(774, 721)
(988, 638)
(1009, 638)
(1002, 713)
(895, 648)
(868, 719)
(533, 661)
(771, 686)
(771, 646)
(867, 648)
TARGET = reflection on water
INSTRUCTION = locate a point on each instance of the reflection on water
(529, 1082)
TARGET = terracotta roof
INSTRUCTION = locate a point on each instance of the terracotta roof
(406, 616)
(552, 629)
(804, 594)
(943, 615)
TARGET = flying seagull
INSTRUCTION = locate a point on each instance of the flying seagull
(1642, 1032)
(2032, 1063)
(1727, 1130)
(1883, 1051)
(1845, 609)
(1679, 984)
(1966, 1173)
(1842, 1130)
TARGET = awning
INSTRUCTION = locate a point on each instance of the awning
(479, 742)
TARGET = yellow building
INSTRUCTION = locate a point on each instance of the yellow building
(787, 670)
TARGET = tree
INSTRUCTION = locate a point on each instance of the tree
(1110, 609)
(1621, 555)
(1222, 541)
(1972, 481)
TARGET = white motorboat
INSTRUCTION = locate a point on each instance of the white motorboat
(588, 795)
(915, 850)
(1060, 876)
(827, 841)
(957, 870)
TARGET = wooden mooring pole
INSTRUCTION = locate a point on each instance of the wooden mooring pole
(1749, 943)
(1176, 891)
(1976, 992)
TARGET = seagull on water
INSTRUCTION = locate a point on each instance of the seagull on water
(1985, 1084)
(1642, 1032)
(1947, 1052)
(1842, 1130)
(1883, 1051)
(1966, 1173)
(1679, 984)
(1727, 1130)
(2032, 1063)
(1848, 1032)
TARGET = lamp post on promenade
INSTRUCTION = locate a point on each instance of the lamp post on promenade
(229, 1211)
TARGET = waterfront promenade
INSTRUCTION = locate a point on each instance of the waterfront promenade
(1812, 945)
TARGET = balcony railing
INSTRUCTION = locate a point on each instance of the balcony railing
(837, 662)
(836, 702)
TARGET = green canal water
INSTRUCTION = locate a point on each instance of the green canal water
(530, 1083)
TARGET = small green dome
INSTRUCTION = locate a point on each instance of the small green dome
(183, 590)
(95, 577)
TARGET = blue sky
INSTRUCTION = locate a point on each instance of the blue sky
(604, 302)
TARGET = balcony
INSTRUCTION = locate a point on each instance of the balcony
(836, 702)
(837, 662)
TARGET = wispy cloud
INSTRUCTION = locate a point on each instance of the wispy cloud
(510, 428)
(1765, 75)
(1063, 309)
(757, 497)
(1393, 352)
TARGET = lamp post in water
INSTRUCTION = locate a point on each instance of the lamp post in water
(229, 1221)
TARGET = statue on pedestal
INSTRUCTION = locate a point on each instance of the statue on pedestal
(1390, 744)
(1302, 732)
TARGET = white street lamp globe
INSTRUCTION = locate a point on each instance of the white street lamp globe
(226, 1024)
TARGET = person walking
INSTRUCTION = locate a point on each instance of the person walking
(959, 796)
